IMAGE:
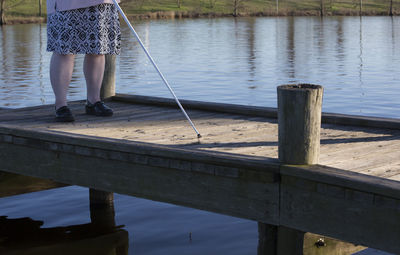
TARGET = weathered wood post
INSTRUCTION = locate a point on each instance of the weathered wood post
(299, 128)
(102, 208)
(108, 85)
(299, 120)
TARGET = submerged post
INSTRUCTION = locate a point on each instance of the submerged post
(102, 208)
(102, 217)
(267, 239)
(299, 119)
(279, 240)
(108, 85)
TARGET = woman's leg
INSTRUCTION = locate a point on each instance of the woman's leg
(61, 67)
(93, 68)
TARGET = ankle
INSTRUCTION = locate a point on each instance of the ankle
(92, 100)
(58, 106)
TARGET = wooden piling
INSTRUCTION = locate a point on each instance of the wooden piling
(102, 208)
(299, 119)
(279, 240)
(267, 239)
(289, 241)
(108, 85)
(299, 124)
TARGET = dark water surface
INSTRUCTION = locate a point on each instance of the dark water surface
(153, 227)
(228, 60)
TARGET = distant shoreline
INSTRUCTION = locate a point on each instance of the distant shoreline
(12, 20)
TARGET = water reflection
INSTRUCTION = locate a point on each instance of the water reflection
(24, 235)
(99, 237)
(251, 39)
(361, 81)
(340, 47)
(245, 41)
(42, 49)
(238, 61)
(153, 227)
(290, 50)
(14, 184)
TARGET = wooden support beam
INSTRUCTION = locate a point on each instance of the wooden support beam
(231, 188)
(108, 85)
(323, 200)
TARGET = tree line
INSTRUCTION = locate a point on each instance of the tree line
(236, 5)
(6, 5)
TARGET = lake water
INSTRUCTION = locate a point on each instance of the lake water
(238, 61)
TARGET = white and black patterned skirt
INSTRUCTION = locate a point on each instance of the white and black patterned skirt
(92, 30)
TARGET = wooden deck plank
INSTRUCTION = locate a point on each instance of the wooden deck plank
(347, 147)
(344, 148)
(358, 149)
(350, 151)
(395, 177)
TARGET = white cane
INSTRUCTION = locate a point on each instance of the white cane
(155, 66)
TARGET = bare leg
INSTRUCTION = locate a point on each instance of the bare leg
(93, 68)
(61, 67)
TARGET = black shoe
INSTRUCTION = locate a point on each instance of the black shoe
(64, 114)
(98, 109)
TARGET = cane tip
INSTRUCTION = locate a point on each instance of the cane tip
(198, 136)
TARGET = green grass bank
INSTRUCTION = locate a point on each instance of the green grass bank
(28, 11)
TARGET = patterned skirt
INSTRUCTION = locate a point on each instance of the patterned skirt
(92, 30)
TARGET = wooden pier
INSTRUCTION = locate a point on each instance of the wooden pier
(147, 149)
